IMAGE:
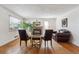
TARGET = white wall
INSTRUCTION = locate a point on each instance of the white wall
(5, 35)
(73, 24)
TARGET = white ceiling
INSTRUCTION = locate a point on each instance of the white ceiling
(40, 10)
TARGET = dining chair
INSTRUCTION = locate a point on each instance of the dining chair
(48, 36)
(23, 36)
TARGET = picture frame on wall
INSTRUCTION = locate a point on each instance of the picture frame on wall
(65, 22)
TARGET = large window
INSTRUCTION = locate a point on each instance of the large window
(46, 24)
(14, 23)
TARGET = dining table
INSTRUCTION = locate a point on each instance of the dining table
(36, 40)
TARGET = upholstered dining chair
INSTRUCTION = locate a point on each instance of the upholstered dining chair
(23, 36)
(48, 36)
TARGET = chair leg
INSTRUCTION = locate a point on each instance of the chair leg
(40, 42)
(52, 47)
(32, 43)
(20, 42)
(45, 44)
(51, 43)
(26, 43)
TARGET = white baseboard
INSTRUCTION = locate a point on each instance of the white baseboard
(6, 42)
(77, 44)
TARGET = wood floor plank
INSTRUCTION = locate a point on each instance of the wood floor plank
(57, 48)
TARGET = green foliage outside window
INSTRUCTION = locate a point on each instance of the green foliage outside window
(24, 25)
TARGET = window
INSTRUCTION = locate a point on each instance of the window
(14, 23)
(46, 24)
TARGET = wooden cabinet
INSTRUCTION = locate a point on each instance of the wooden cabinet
(63, 37)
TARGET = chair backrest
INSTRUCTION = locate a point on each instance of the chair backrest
(23, 35)
(48, 34)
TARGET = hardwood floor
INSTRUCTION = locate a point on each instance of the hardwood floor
(70, 47)
(57, 48)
